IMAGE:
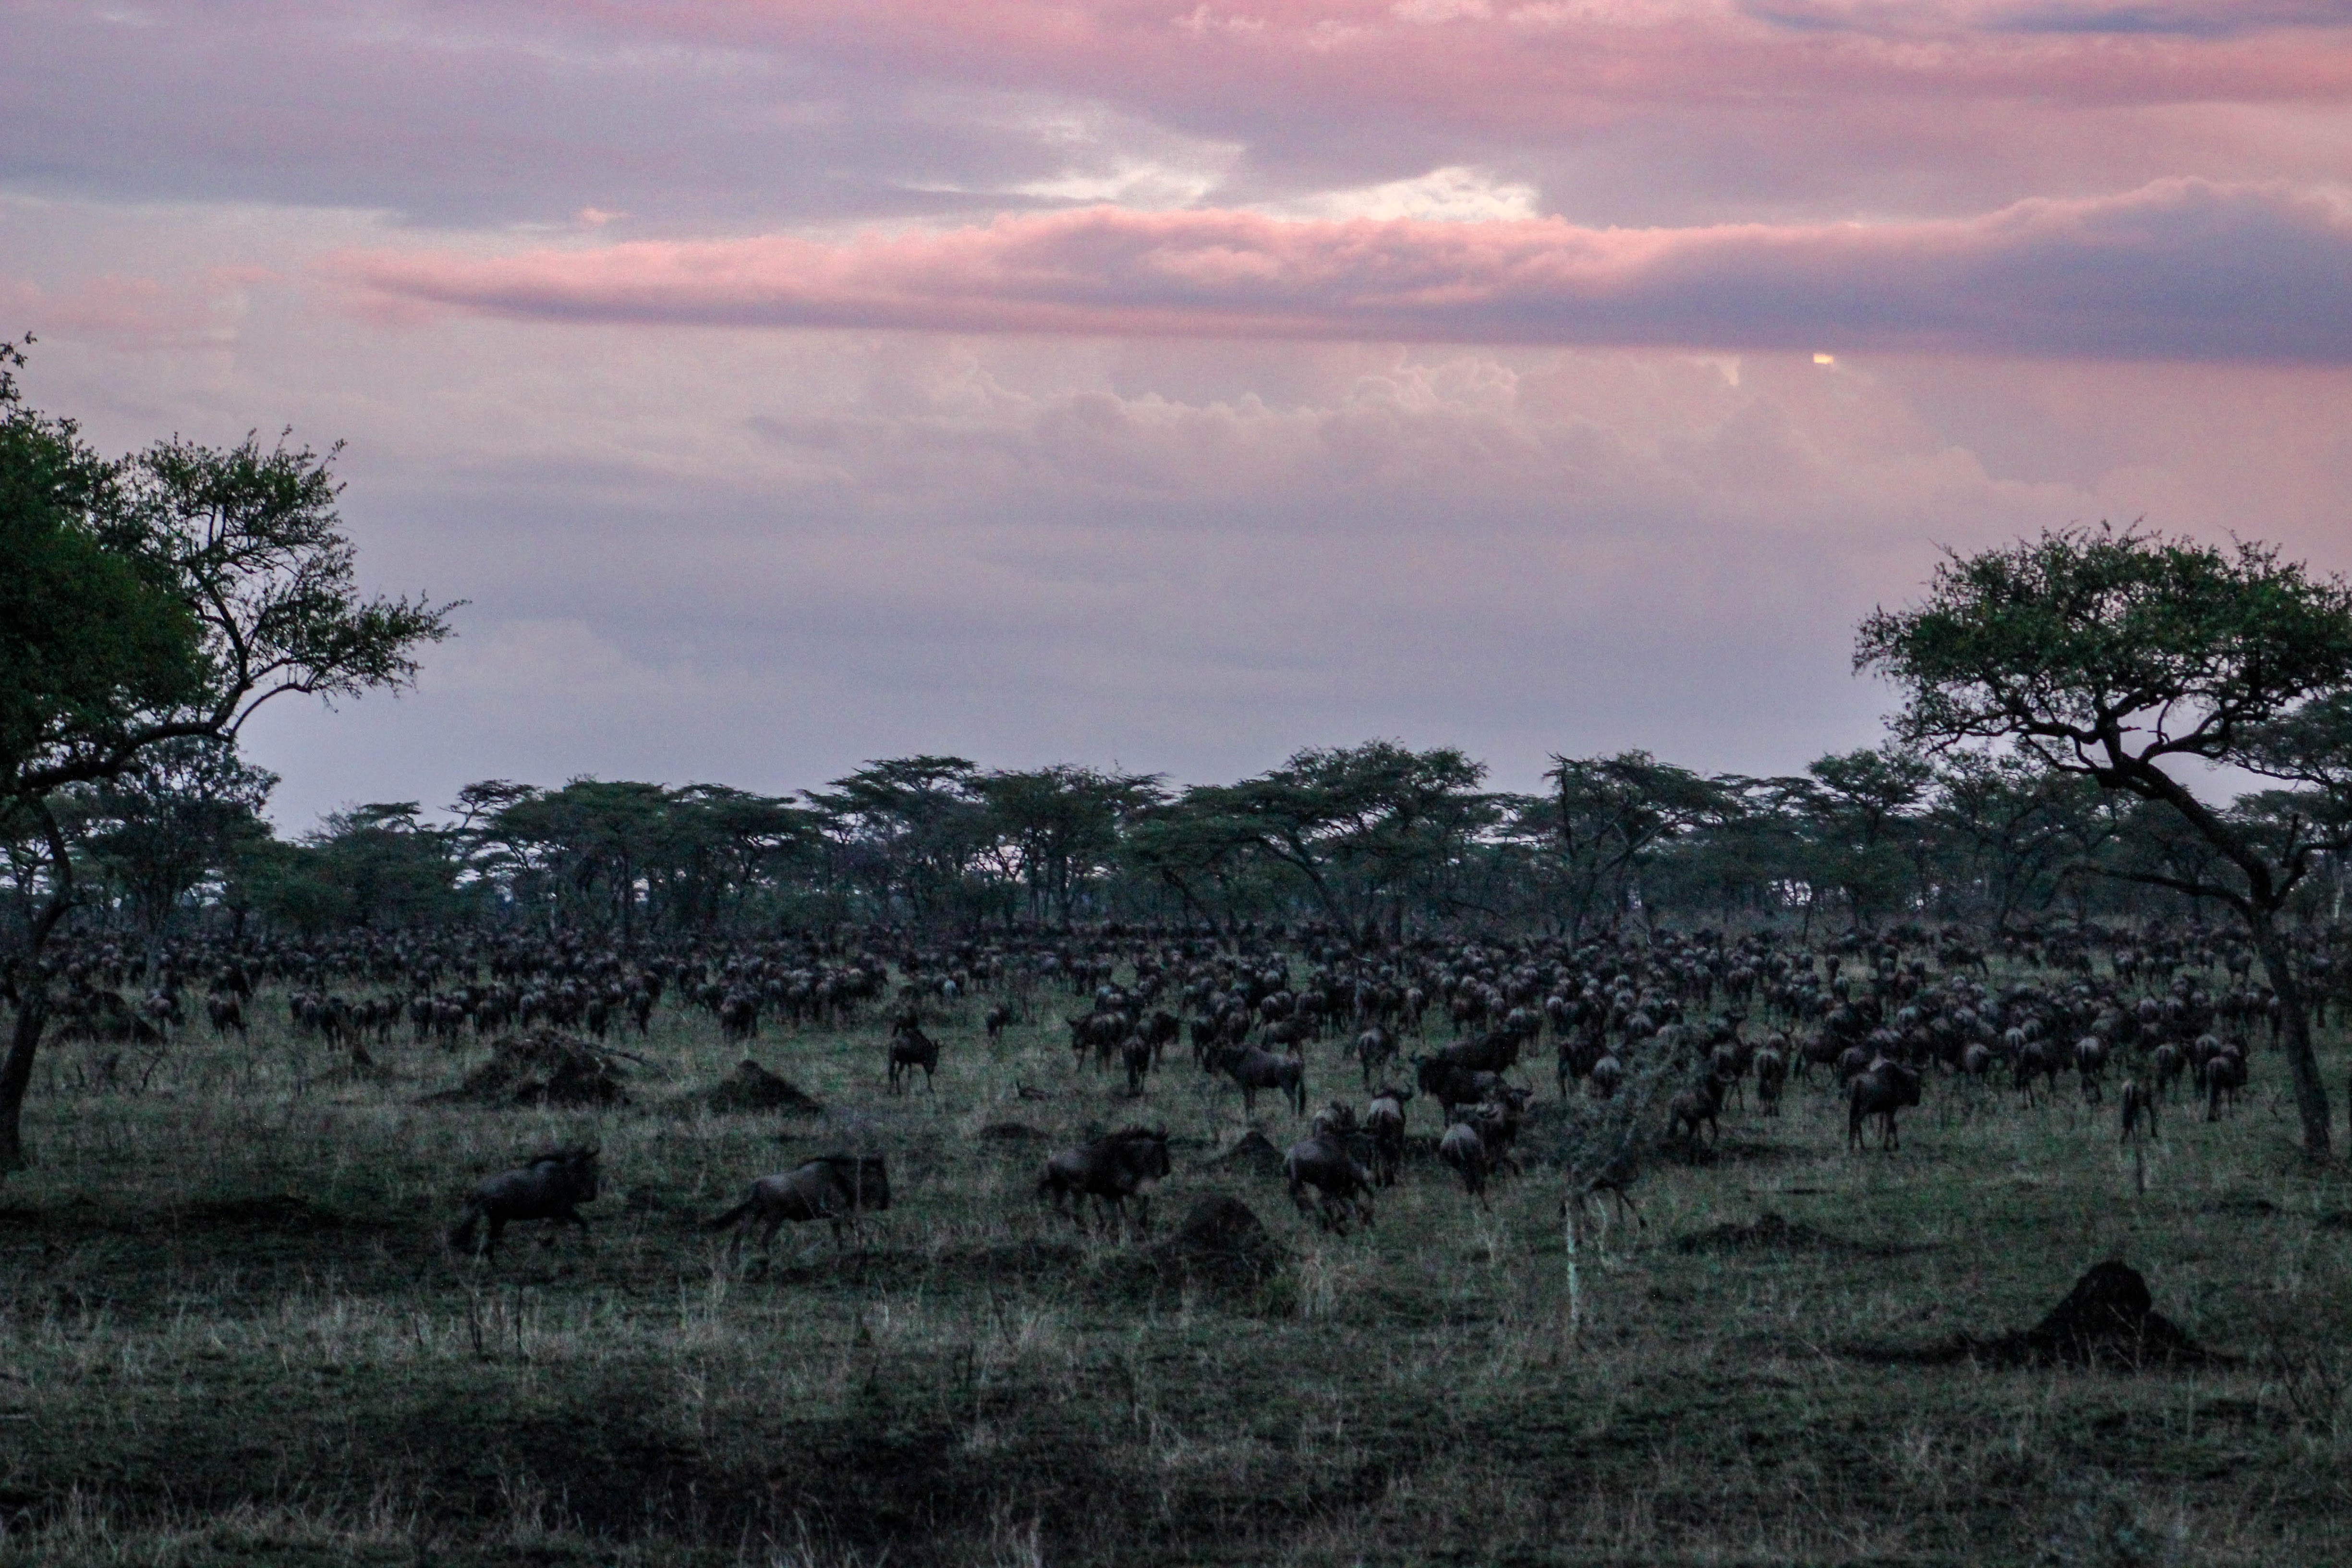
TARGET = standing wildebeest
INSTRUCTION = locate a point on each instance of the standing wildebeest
(1111, 1169)
(1701, 1102)
(1384, 1124)
(1255, 1070)
(834, 1188)
(226, 1013)
(1466, 1151)
(911, 1048)
(998, 1018)
(1343, 1187)
(2140, 1105)
(1886, 1087)
(552, 1187)
(1134, 1054)
(1772, 1077)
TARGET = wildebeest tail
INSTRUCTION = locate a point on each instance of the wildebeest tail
(730, 1217)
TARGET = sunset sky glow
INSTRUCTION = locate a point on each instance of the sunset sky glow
(1175, 384)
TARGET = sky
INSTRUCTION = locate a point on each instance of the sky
(1173, 385)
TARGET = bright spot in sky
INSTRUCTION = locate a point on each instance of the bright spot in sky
(1825, 359)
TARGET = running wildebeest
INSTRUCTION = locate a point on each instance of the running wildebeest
(1111, 1170)
(552, 1187)
(1343, 1187)
(911, 1048)
(1886, 1087)
(1255, 1070)
(833, 1187)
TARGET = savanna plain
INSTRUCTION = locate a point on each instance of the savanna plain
(232, 1330)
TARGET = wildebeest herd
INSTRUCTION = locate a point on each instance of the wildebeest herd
(1707, 1021)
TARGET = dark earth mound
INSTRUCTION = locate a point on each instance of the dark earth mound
(1220, 1243)
(1255, 1153)
(751, 1086)
(543, 1067)
(2107, 1319)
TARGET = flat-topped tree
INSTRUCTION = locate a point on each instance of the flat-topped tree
(157, 598)
(2128, 658)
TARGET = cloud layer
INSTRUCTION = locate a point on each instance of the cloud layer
(2184, 270)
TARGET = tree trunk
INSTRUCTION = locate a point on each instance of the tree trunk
(2303, 1062)
(16, 1072)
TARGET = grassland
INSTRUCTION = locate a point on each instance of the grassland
(229, 1333)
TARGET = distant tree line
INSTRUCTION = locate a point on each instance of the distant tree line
(1376, 838)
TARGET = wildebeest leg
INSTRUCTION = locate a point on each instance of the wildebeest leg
(490, 1240)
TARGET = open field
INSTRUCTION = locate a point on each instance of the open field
(231, 1334)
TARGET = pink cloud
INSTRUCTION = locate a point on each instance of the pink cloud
(2182, 269)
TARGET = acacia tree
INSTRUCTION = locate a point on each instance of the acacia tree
(1611, 815)
(160, 597)
(178, 815)
(2125, 656)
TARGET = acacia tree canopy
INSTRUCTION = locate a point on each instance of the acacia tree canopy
(2122, 654)
(163, 596)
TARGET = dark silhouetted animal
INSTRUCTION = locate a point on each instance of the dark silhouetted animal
(911, 1048)
(837, 1188)
(1885, 1089)
(552, 1187)
(1112, 1171)
(1343, 1187)
(1255, 1070)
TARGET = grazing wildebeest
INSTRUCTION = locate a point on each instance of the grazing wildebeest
(834, 1187)
(1886, 1087)
(1384, 1122)
(1255, 1070)
(1111, 1170)
(1334, 1120)
(1343, 1187)
(999, 1016)
(1450, 1083)
(911, 1048)
(552, 1187)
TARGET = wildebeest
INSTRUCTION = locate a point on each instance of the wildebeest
(1111, 1170)
(911, 1048)
(552, 1187)
(1886, 1087)
(226, 1013)
(2139, 1105)
(833, 1187)
(1134, 1054)
(1700, 1102)
(1384, 1124)
(1466, 1151)
(998, 1018)
(1772, 1077)
(1374, 1047)
(1343, 1187)
(2225, 1075)
(1255, 1070)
